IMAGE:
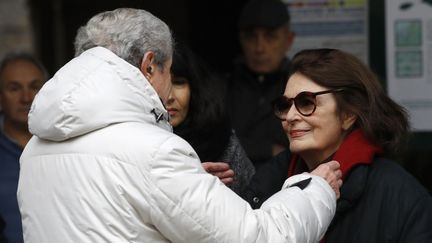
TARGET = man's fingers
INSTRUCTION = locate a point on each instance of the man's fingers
(226, 177)
(334, 165)
(224, 174)
(215, 166)
(338, 174)
(337, 193)
(227, 181)
(331, 172)
(220, 170)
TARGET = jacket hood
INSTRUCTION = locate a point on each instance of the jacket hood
(92, 91)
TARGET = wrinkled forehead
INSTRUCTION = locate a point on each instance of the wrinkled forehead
(18, 66)
(21, 71)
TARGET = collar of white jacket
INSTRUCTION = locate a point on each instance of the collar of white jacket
(92, 91)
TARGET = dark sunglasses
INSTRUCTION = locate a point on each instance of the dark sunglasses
(304, 102)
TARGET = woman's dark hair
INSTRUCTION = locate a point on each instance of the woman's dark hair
(206, 126)
(382, 120)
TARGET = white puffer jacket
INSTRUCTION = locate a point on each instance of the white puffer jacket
(100, 168)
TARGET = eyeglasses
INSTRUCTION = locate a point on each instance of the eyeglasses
(304, 102)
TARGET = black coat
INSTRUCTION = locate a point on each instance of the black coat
(2, 227)
(380, 202)
(249, 97)
(268, 179)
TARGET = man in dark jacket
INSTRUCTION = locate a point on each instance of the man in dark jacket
(2, 227)
(21, 77)
(259, 77)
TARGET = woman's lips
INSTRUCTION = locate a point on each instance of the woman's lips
(297, 133)
(172, 111)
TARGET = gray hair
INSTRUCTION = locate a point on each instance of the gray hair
(129, 33)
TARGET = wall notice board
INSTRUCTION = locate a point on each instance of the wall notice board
(409, 58)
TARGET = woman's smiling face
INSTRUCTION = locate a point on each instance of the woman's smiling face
(318, 136)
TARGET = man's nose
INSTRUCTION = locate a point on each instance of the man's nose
(27, 95)
(259, 43)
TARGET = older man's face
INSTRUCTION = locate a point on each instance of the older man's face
(19, 81)
(264, 49)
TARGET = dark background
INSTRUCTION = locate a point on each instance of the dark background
(209, 28)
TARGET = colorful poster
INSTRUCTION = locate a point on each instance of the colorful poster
(409, 58)
(330, 24)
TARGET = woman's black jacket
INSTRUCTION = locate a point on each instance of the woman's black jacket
(380, 202)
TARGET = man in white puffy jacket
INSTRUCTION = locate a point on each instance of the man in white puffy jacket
(104, 166)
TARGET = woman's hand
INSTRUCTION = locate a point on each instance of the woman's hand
(221, 170)
(331, 172)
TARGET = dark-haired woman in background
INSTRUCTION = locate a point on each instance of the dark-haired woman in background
(334, 108)
(197, 111)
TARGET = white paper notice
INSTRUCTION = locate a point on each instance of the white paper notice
(330, 24)
(409, 58)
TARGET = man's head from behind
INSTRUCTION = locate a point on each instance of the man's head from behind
(264, 34)
(21, 77)
(136, 36)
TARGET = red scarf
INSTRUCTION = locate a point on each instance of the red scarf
(354, 150)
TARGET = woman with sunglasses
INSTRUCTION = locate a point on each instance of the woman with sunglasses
(334, 108)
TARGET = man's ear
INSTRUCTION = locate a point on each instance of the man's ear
(348, 121)
(147, 65)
